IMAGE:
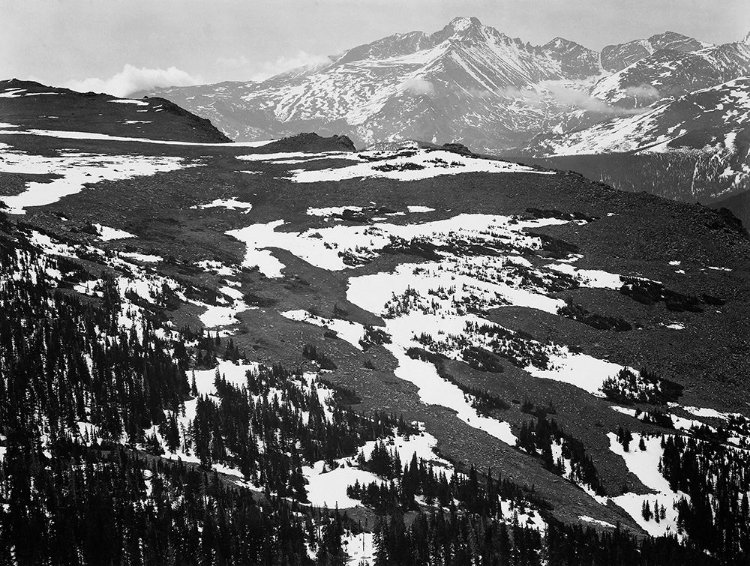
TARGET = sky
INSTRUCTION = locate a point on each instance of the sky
(121, 46)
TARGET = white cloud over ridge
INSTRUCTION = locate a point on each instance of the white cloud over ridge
(133, 79)
(283, 64)
(644, 91)
(418, 86)
(578, 96)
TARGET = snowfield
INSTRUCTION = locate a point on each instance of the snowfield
(440, 295)
(645, 465)
(229, 204)
(421, 165)
(341, 247)
(106, 233)
(74, 171)
(74, 135)
(581, 370)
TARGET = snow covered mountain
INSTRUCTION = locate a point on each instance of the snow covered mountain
(467, 82)
(695, 147)
(673, 72)
(710, 119)
(616, 57)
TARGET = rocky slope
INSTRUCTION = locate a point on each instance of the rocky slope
(467, 82)
(692, 148)
(563, 334)
(615, 58)
(26, 104)
(673, 72)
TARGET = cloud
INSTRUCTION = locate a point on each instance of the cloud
(643, 91)
(418, 86)
(132, 79)
(567, 95)
(301, 60)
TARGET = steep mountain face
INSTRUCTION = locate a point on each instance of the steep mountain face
(576, 61)
(466, 82)
(671, 73)
(26, 103)
(692, 148)
(615, 58)
(225, 347)
(707, 117)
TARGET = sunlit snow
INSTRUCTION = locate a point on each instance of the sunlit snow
(590, 277)
(230, 204)
(146, 258)
(234, 373)
(645, 465)
(331, 210)
(106, 233)
(129, 101)
(587, 519)
(422, 165)
(75, 170)
(352, 332)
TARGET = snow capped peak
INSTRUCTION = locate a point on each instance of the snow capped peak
(558, 42)
(460, 27)
(462, 23)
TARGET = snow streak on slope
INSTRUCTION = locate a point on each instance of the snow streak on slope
(106, 233)
(352, 332)
(229, 204)
(422, 165)
(645, 465)
(73, 135)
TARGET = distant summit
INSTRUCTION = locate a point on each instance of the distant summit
(617, 57)
(467, 83)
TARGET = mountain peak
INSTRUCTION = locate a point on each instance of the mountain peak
(460, 27)
(462, 23)
(560, 43)
(747, 39)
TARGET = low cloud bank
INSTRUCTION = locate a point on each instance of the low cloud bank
(564, 94)
(133, 79)
(283, 64)
(418, 87)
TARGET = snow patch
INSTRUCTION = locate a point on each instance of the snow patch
(75, 170)
(229, 204)
(421, 165)
(106, 233)
(645, 465)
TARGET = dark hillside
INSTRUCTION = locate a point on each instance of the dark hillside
(27, 104)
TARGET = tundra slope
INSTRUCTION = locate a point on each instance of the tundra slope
(507, 288)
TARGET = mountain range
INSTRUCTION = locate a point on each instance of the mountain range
(471, 84)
